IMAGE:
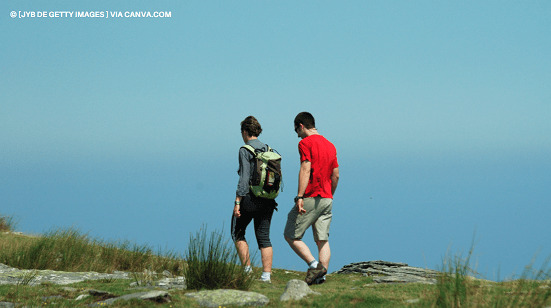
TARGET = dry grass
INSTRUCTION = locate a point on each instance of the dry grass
(69, 250)
(7, 223)
(456, 288)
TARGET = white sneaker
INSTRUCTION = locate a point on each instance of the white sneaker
(266, 280)
(248, 270)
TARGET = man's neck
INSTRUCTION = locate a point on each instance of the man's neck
(311, 131)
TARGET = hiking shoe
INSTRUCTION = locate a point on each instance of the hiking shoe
(319, 280)
(315, 273)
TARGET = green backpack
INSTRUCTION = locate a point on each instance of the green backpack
(266, 177)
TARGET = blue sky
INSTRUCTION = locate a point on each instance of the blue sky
(129, 127)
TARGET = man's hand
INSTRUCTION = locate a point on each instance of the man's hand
(236, 212)
(300, 206)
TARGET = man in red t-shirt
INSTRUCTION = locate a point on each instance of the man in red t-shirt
(317, 182)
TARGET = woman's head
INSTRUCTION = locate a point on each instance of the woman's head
(251, 126)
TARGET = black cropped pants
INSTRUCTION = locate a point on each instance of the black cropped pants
(261, 211)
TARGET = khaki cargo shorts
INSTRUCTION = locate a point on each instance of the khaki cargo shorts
(318, 215)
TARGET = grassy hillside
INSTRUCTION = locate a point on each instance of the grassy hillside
(69, 250)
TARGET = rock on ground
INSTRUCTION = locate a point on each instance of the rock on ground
(13, 276)
(155, 296)
(224, 297)
(391, 272)
(295, 290)
(10, 275)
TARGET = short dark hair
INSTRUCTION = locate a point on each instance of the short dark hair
(251, 126)
(306, 119)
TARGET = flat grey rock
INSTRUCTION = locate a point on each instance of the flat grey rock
(69, 289)
(156, 296)
(10, 275)
(224, 297)
(391, 272)
(13, 276)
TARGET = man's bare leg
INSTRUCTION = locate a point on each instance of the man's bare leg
(301, 249)
(324, 252)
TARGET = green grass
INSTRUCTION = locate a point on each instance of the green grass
(212, 263)
(214, 257)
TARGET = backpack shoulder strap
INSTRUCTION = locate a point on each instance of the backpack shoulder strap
(250, 148)
(255, 151)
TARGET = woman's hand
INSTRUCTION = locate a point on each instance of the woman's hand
(236, 212)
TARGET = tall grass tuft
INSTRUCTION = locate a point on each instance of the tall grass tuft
(69, 250)
(7, 223)
(213, 263)
(453, 281)
(456, 288)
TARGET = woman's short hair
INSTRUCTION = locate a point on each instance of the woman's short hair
(251, 126)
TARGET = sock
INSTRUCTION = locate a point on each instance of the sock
(265, 275)
(313, 264)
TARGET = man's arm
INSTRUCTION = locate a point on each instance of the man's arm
(303, 178)
(334, 180)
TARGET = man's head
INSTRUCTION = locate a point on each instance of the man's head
(251, 127)
(304, 120)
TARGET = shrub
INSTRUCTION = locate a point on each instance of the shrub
(7, 223)
(213, 263)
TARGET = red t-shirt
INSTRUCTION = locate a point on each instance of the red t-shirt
(322, 155)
